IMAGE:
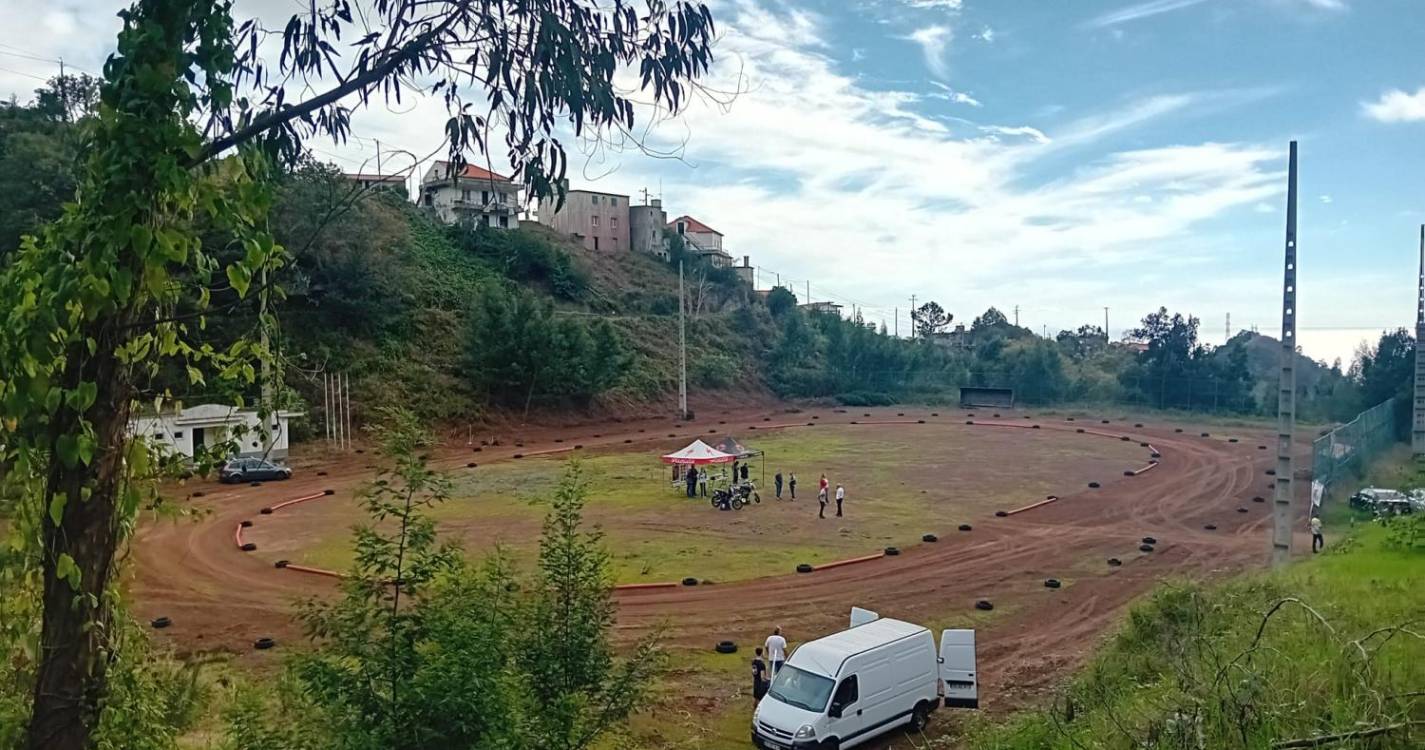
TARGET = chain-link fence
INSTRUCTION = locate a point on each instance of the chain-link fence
(1347, 450)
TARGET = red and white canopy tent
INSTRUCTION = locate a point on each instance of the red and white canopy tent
(698, 453)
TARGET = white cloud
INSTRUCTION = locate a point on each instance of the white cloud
(935, 4)
(986, 35)
(1397, 106)
(951, 95)
(1033, 134)
(1326, 4)
(1141, 10)
(1264, 208)
(934, 44)
(1326, 199)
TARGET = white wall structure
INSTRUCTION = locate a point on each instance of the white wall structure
(645, 229)
(702, 239)
(599, 221)
(184, 431)
(475, 196)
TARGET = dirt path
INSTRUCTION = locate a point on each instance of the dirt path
(221, 598)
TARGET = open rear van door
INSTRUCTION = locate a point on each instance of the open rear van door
(957, 669)
(862, 616)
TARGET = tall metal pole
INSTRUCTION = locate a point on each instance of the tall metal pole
(1417, 434)
(682, 349)
(912, 316)
(1286, 392)
(327, 406)
(1105, 325)
(348, 408)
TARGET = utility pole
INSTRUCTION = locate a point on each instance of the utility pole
(1228, 336)
(682, 349)
(378, 156)
(912, 316)
(1105, 325)
(808, 291)
(1016, 316)
(1285, 489)
(898, 322)
(1417, 434)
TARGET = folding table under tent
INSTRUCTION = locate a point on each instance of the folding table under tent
(697, 453)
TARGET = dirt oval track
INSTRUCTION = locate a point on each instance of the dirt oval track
(221, 598)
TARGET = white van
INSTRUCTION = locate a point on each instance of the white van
(844, 689)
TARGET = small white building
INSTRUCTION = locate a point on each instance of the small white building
(474, 196)
(701, 239)
(208, 425)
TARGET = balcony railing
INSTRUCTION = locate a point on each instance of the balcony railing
(487, 207)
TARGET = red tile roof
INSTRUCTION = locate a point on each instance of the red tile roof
(693, 225)
(441, 171)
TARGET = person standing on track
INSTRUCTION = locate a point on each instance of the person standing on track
(792, 484)
(821, 504)
(1318, 542)
(840, 496)
(776, 647)
(759, 677)
(745, 472)
(692, 480)
(703, 481)
(777, 484)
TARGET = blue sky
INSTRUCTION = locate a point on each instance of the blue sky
(1061, 155)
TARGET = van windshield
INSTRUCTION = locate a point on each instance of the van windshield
(802, 689)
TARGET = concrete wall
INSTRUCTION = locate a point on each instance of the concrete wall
(645, 229)
(598, 220)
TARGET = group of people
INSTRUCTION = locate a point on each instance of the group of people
(823, 492)
(697, 479)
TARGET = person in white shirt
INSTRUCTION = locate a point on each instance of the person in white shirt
(1317, 541)
(776, 648)
(840, 495)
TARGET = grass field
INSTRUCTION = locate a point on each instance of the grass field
(895, 476)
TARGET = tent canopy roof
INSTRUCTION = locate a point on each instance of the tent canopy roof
(734, 447)
(699, 453)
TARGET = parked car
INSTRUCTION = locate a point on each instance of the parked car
(849, 687)
(1383, 502)
(252, 470)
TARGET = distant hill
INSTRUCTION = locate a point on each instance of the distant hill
(1264, 359)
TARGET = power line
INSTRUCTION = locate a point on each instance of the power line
(22, 73)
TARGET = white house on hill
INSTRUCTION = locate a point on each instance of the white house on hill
(702, 239)
(209, 425)
(474, 196)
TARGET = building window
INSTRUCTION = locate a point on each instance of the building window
(596, 243)
(484, 196)
(595, 220)
(682, 228)
(505, 222)
(178, 435)
(465, 195)
(594, 200)
(613, 222)
(613, 201)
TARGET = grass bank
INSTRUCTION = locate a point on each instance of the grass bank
(1329, 652)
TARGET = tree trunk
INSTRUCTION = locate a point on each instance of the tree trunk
(77, 625)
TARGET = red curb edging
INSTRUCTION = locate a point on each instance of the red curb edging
(850, 561)
(237, 535)
(643, 586)
(294, 501)
(1147, 468)
(1031, 506)
(893, 421)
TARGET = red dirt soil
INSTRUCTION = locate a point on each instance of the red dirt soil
(221, 598)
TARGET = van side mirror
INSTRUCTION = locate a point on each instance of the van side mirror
(835, 711)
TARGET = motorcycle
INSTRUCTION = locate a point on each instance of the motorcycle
(727, 500)
(748, 492)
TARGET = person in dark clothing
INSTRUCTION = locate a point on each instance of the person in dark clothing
(759, 677)
(692, 479)
(792, 485)
(744, 472)
(777, 484)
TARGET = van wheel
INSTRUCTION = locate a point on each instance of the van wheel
(920, 717)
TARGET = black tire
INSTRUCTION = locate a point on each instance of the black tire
(518, 455)
(1094, 485)
(935, 414)
(1259, 499)
(1001, 514)
(1231, 440)
(1069, 419)
(262, 644)
(1124, 438)
(1129, 472)
(892, 551)
(328, 493)
(1271, 472)
(929, 538)
(1079, 430)
(965, 527)
(159, 623)
(804, 568)
(1114, 562)
(254, 484)
(920, 421)
(248, 547)
(266, 511)
(245, 524)
(1052, 583)
(1261, 447)
(280, 564)
(1207, 434)
(1155, 454)
(199, 493)
(1242, 510)
(1105, 421)
(578, 446)
(996, 416)
(627, 440)
(1210, 527)
(725, 647)
(690, 581)
(736, 503)
(1177, 429)
(1145, 548)
(1034, 427)
(919, 718)
(1150, 540)
(1138, 424)
(984, 605)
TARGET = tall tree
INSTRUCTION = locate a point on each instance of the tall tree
(117, 287)
(930, 319)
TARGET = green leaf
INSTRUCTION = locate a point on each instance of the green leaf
(56, 508)
(141, 237)
(195, 376)
(65, 569)
(86, 446)
(67, 446)
(240, 278)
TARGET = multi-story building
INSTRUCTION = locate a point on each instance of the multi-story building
(646, 227)
(368, 181)
(702, 239)
(473, 197)
(599, 221)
